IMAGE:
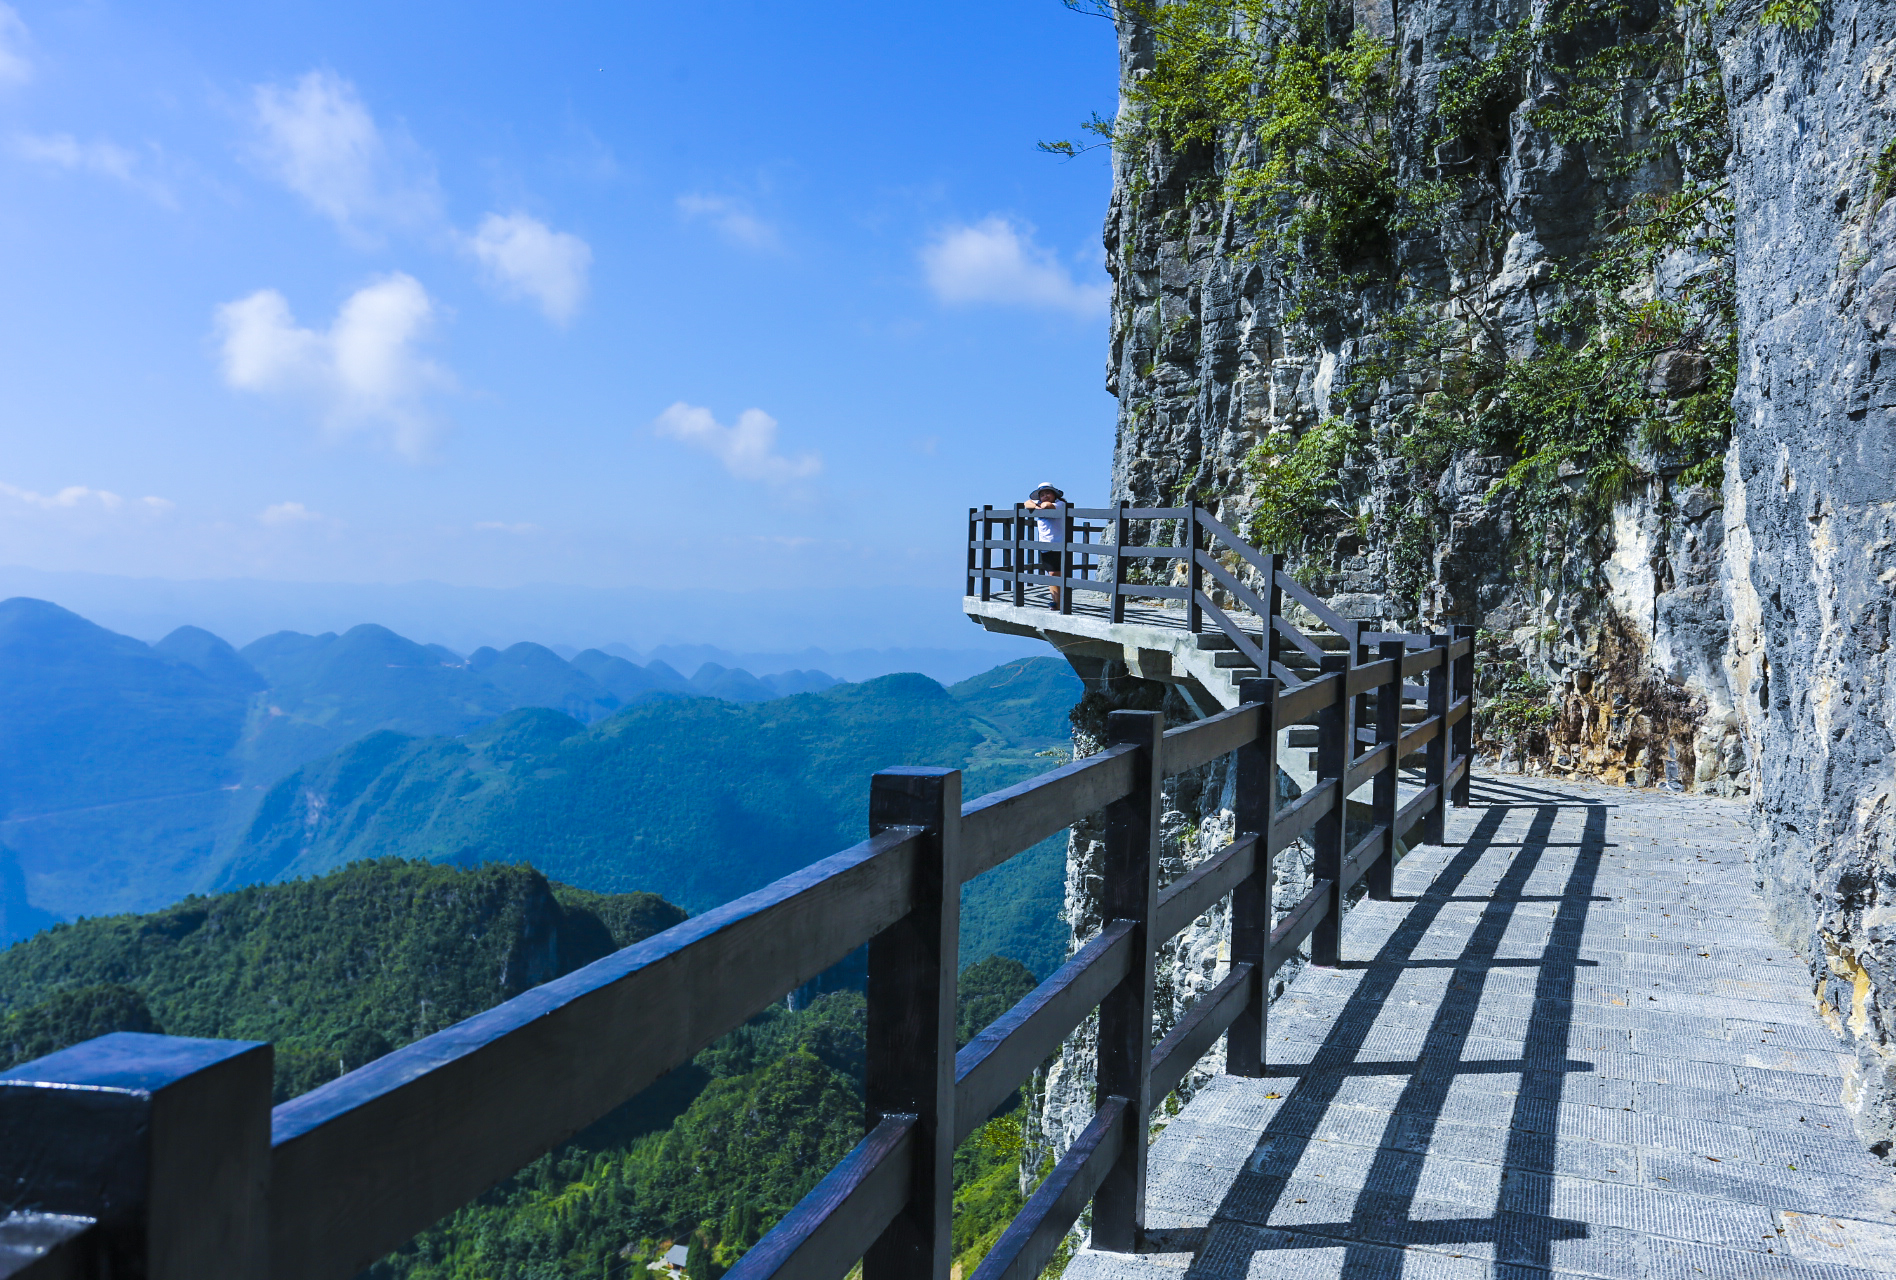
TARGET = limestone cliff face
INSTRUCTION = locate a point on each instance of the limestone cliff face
(1206, 364)
(1811, 509)
(1733, 639)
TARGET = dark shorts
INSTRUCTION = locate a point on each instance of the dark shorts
(1050, 560)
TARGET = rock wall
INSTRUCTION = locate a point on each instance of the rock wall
(1735, 641)
(1206, 365)
(1811, 509)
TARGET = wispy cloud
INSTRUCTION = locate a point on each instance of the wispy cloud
(732, 219)
(284, 515)
(101, 158)
(748, 449)
(72, 496)
(993, 261)
(318, 138)
(525, 257)
(79, 499)
(364, 372)
(15, 66)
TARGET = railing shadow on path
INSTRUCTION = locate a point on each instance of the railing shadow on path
(1384, 1214)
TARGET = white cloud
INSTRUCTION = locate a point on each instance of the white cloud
(320, 141)
(15, 66)
(158, 506)
(72, 496)
(363, 373)
(283, 515)
(525, 256)
(732, 219)
(747, 450)
(67, 152)
(996, 262)
(105, 159)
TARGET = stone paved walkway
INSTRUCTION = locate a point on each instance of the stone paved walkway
(1570, 1046)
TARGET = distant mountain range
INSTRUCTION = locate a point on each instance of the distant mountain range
(133, 774)
(856, 635)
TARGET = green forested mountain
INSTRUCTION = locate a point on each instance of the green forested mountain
(776, 1104)
(340, 969)
(334, 970)
(128, 771)
(696, 799)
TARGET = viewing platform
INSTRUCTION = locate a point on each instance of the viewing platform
(1171, 592)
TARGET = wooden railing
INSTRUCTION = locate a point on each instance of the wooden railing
(1097, 548)
(159, 1156)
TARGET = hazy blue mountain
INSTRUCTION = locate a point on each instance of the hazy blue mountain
(19, 918)
(132, 774)
(627, 681)
(534, 676)
(785, 683)
(213, 656)
(1021, 709)
(697, 799)
(700, 800)
(115, 759)
(714, 681)
(328, 690)
(88, 717)
(1027, 699)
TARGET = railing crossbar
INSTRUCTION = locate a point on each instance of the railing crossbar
(992, 1065)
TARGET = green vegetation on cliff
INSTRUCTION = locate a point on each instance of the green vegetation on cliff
(1373, 185)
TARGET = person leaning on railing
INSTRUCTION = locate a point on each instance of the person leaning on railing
(1048, 498)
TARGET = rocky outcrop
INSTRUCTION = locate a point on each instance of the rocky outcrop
(1732, 639)
(1207, 362)
(1811, 508)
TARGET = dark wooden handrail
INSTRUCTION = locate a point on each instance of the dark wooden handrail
(324, 1184)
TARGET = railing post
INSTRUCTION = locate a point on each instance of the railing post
(1129, 891)
(1464, 741)
(1255, 803)
(1434, 825)
(1377, 877)
(1358, 656)
(1335, 728)
(1274, 597)
(1195, 574)
(1019, 525)
(164, 1140)
(1066, 557)
(974, 554)
(910, 1050)
(1119, 564)
(987, 551)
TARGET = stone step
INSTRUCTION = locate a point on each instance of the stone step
(1326, 640)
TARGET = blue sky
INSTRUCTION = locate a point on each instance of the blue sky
(605, 295)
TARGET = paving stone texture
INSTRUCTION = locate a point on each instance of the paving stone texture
(1568, 1047)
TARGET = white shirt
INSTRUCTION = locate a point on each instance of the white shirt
(1050, 526)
